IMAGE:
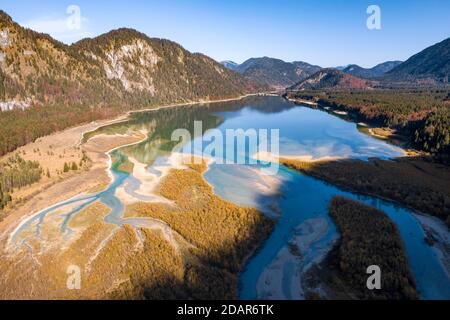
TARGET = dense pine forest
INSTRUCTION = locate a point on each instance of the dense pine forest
(417, 183)
(61, 86)
(368, 237)
(15, 172)
(422, 115)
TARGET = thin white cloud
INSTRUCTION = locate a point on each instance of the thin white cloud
(59, 28)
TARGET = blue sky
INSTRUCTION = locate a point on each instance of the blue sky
(326, 32)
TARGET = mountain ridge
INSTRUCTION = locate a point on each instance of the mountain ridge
(47, 86)
(276, 73)
(431, 63)
(123, 65)
(370, 73)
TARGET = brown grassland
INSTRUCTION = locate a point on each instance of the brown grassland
(212, 239)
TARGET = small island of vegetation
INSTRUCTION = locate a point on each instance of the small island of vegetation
(420, 184)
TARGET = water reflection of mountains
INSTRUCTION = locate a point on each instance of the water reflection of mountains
(184, 116)
(160, 124)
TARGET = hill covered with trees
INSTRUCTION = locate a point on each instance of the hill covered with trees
(422, 115)
(50, 85)
(15, 172)
(433, 63)
(274, 73)
(369, 238)
(331, 79)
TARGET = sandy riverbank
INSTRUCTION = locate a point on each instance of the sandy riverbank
(58, 188)
(123, 260)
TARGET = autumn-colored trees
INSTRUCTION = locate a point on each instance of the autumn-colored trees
(416, 183)
(15, 172)
(222, 234)
(434, 136)
(68, 85)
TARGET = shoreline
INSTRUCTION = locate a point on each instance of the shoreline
(285, 160)
(108, 164)
(78, 133)
(270, 157)
(401, 141)
(79, 144)
(435, 229)
(276, 281)
(354, 221)
(123, 117)
(170, 218)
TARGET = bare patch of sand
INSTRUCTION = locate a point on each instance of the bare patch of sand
(59, 188)
(282, 279)
(272, 158)
(149, 181)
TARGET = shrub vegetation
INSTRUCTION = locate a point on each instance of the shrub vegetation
(369, 238)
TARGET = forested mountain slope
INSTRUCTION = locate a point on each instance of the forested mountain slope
(370, 73)
(46, 85)
(433, 63)
(275, 73)
(331, 79)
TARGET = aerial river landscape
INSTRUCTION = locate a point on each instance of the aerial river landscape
(220, 159)
(297, 202)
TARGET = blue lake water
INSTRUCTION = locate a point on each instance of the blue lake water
(305, 131)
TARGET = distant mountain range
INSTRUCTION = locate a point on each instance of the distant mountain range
(125, 66)
(429, 67)
(375, 72)
(279, 74)
(122, 67)
(275, 73)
